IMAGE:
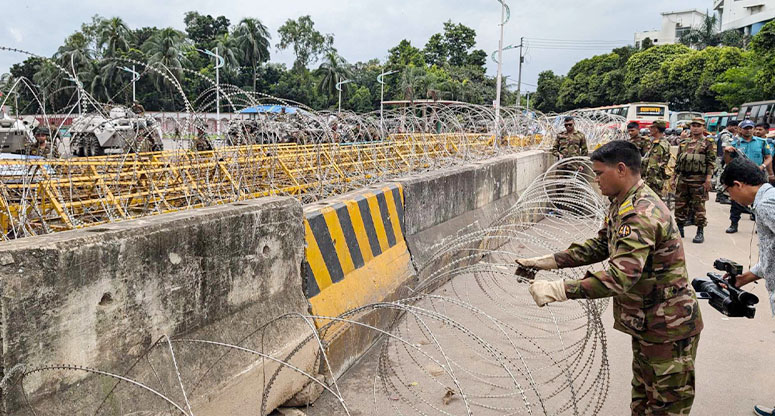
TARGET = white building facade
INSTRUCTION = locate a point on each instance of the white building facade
(674, 25)
(748, 16)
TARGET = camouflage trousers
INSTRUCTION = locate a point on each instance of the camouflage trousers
(663, 377)
(690, 197)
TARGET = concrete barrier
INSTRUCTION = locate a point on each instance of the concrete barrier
(99, 297)
(442, 205)
(356, 255)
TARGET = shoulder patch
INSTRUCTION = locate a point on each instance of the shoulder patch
(626, 208)
(624, 231)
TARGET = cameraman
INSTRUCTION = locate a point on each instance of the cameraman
(746, 185)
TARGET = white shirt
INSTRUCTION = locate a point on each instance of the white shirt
(764, 207)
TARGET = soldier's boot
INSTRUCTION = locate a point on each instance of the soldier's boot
(732, 228)
(681, 230)
(700, 237)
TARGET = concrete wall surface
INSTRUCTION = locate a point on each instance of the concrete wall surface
(100, 297)
(441, 205)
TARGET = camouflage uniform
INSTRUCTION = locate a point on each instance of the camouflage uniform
(654, 165)
(642, 143)
(653, 301)
(695, 161)
(570, 145)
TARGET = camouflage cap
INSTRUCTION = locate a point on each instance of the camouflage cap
(659, 124)
(698, 120)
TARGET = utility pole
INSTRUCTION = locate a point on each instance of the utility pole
(519, 78)
(498, 77)
(381, 81)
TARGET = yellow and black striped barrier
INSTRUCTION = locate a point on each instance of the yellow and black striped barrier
(356, 253)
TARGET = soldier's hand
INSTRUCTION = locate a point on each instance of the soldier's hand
(707, 185)
(541, 263)
(545, 291)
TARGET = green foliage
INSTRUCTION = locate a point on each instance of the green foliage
(308, 44)
(203, 29)
(548, 91)
(644, 62)
(447, 68)
(454, 47)
(404, 54)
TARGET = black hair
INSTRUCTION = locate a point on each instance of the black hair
(743, 170)
(764, 125)
(660, 128)
(617, 151)
(633, 125)
(733, 123)
(567, 119)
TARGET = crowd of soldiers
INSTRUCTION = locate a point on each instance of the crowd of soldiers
(695, 164)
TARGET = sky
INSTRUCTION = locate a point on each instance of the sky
(366, 29)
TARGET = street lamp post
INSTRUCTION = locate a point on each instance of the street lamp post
(505, 16)
(135, 78)
(381, 80)
(339, 88)
(219, 63)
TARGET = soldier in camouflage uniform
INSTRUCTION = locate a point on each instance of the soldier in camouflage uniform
(641, 142)
(43, 146)
(656, 159)
(571, 142)
(693, 169)
(647, 278)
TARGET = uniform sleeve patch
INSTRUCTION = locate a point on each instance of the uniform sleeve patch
(624, 231)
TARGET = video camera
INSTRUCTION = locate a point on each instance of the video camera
(724, 295)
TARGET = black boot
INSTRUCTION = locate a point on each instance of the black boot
(732, 228)
(700, 237)
(681, 230)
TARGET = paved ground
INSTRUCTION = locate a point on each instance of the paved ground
(734, 364)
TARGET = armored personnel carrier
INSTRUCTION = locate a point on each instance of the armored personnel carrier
(121, 132)
(16, 135)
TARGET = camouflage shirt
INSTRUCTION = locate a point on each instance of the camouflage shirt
(647, 277)
(570, 145)
(696, 157)
(654, 165)
(642, 143)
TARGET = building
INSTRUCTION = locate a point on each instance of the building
(674, 25)
(747, 16)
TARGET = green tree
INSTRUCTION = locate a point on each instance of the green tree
(114, 37)
(165, 51)
(644, 62)
(454, 47)
(361, 100)
(738, 85)
(412, 79)
(203, 29)
(404, 54)
(436, 50)
(253, 39)
(333, 70)
(647, 43)
(763, 47)
(308, 44)
(547, 91)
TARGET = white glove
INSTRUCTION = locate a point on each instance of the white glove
(541, 263)
(548, 291)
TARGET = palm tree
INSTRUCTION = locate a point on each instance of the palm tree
(253, 40)
(707, 34)
(229, 51)
(410, 80)
(165, 49)
(114, 35)
(333, 70)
